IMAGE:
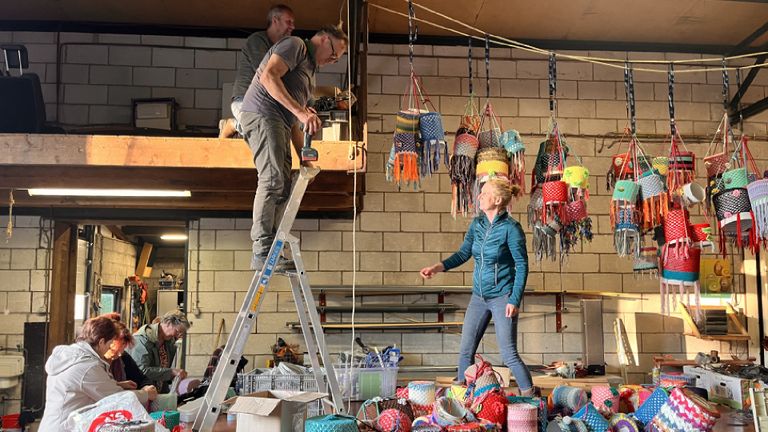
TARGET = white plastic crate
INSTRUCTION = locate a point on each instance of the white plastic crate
(257, 380)
(366, 383)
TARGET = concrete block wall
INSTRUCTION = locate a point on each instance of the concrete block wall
(24, 265)
(401, 231)
(101, 73)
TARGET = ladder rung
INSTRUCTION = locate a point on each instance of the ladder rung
(392, 307)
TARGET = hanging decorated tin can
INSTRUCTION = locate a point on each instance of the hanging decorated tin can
(654, 198)
(405, 154)
(462, 173)
(681, 273)
(435, 148)
(758, 198)
(647, 262)
(513, 144)
(555, 196)
(734, 215)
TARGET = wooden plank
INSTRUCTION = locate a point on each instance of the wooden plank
(143, 270)
(192, 179)
(140, 151)
(63, 286)
(223, 201)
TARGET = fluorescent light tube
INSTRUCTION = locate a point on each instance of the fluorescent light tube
(108, 192)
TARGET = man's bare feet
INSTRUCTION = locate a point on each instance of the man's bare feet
(227, 128)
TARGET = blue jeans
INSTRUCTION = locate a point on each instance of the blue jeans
(476, 320)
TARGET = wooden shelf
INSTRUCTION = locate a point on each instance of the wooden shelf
(392, 307)
(732, 317)
(384, 326)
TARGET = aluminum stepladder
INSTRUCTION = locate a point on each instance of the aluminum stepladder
(305, 306)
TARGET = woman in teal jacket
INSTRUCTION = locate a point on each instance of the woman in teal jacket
(497, 243)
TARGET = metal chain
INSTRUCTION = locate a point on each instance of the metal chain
(629, 86)
(413, 32)
(671, 98)
(726, 90)
(469, 64)
(738, 107)
(487, 67)
(552, 82)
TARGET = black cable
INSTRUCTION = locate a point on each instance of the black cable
(671, 98)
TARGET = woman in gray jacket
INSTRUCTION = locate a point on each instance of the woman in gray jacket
(497, 243)
(78, 374)
(156, 347)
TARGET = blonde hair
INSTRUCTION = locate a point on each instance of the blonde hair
(504, 190)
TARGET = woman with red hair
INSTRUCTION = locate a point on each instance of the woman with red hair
(78, 374)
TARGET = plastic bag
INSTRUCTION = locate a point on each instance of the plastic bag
(117, 407)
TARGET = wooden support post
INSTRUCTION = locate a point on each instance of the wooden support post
(143, 270)
(61, 329)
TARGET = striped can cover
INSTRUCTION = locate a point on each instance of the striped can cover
(685, 411)
(422, 410)
(623, 423)
(652, 405)
(758, 197)
(490, 138)
(683, 161)
(605, 399)
(522, 417)
(330, 423)
(407, 122)
(592, 418)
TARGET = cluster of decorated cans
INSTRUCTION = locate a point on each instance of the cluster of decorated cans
(418, 144)
(483, 150)
(557, 212)
(652, 197)
(631, 408)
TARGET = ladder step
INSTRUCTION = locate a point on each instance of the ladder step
(392, 307)
(384, 326)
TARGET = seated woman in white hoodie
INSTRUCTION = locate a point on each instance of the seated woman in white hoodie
(78, 374)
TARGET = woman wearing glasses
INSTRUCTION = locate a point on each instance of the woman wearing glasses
(156, 347)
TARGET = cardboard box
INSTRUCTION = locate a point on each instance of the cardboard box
(729, 391)
(272, 411)
(703, 376)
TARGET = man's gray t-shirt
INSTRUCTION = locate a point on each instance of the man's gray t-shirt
(250, 57)
(299, 81)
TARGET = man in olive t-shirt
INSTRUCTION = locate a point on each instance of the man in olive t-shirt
(276, 99)
(280, 24)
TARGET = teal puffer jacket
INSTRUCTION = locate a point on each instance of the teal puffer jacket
(501, 257)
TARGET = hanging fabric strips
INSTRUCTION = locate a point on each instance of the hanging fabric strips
(465, 146)
(559, 193)
(419, 141)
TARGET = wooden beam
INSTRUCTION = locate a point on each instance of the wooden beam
(192, 179)
(63, 281)
(143, 270)
(223, 201)
(166, 152)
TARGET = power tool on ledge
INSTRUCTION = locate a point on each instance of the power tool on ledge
(308, 154)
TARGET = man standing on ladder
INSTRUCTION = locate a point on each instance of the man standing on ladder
(280, 24)
(275, 100)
